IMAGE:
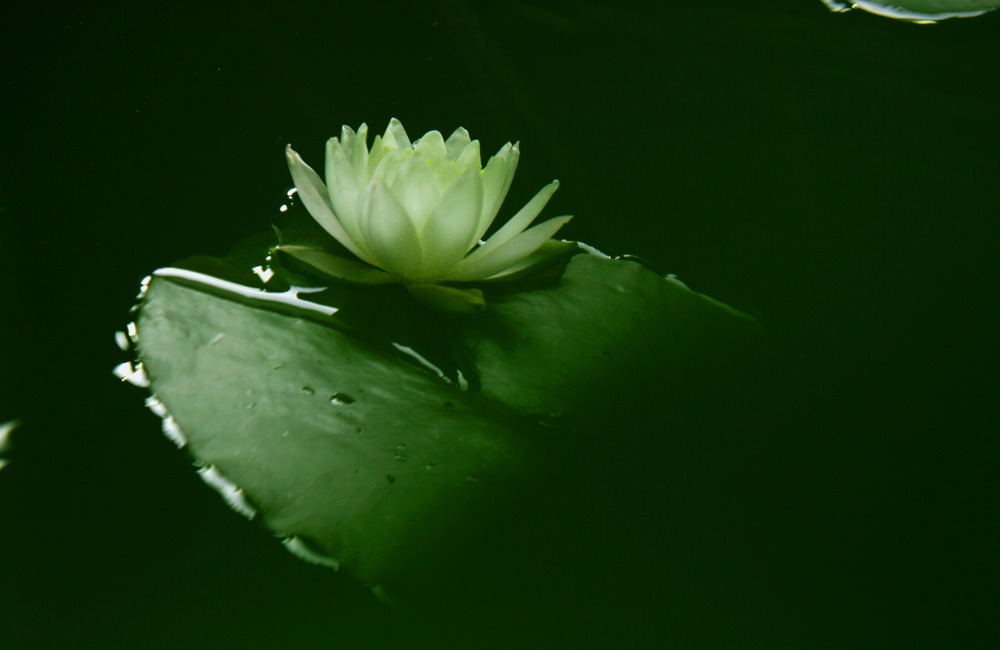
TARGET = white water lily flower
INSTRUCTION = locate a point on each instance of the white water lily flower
(415, 212)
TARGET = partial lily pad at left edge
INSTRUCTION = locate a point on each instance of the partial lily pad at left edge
(371, 460)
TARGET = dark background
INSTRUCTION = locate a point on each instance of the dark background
(835, 175)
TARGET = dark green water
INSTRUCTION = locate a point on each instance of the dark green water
(833, 174)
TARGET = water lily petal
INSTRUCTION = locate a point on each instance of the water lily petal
(388, 166)
(348, 138)
(517, 223)
(469, 157)
(396, 134)
(450, 230)
(508, 254)
(417, 189)
(315, 197)
(497, 176)
(431, 146)
(343, 188)
(457, 142)
(336, 267)
(356, 147)
(375, 155)
(389, 232)
(548, 254)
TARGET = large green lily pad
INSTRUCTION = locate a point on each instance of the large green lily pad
(363, 450)
(371, 460)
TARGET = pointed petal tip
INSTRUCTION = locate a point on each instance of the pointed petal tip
(556, 222)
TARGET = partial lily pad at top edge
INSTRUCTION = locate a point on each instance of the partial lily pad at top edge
(372, 461)
(920, 10)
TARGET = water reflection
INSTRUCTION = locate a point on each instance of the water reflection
(231, 493)
(290, 297)
(134, 375)
(301, 550)
(919, 11)
(420, 359)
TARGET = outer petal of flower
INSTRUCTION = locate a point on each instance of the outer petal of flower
(348, 138)
(431, 146)
(389, 232)
(343, 188)
(375, 155)
(517, 223)
(357, 150)
(337, 267)
(457, 142)
(497, 176)
(551, 252)
(314, 196)
(469, 157)
(508, 254)
(396, 134)
(448, 233)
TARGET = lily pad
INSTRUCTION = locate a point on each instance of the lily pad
(611, 338)
(369, 460)
(919, 10)
(369, 456)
